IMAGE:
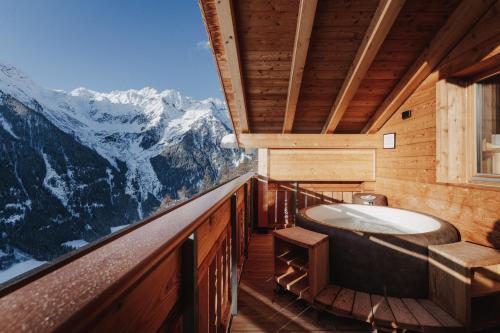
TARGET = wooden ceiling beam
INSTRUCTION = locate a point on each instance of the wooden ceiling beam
(308, 141)
(380, 25)
(305, 22)
(465, 16)
(226, 19)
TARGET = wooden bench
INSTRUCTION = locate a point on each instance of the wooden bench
(465, 281)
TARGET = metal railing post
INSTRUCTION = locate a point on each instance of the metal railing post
(189, 285)
(234, 259)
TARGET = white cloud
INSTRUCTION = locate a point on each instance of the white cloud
(203, 45)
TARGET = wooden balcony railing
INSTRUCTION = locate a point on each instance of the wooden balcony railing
(176, 271)
(279, 200)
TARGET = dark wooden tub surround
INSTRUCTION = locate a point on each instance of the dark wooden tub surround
(397, 263)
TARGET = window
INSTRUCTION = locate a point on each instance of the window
(468, 131)
(488, 127)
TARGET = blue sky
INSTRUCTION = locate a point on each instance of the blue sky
(106, 45)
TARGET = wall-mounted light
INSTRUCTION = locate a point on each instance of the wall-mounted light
(390, 141)
(406, 114)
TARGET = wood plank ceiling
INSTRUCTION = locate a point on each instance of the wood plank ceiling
(358, 52)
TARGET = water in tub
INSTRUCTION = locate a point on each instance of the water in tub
(376, 219)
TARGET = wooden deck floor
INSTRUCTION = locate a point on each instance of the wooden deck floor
(261, 310)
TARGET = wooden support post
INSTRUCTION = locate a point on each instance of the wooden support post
(247, 219)
(255, 203)
(295, 202)
(189, 285)
(234, 257)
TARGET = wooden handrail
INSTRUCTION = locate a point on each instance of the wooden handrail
(72, 296)
(36, 273)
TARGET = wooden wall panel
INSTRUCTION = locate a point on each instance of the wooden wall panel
(407, 174)
(451, 130)
(322, 164)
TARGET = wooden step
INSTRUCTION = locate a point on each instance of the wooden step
(362, 307)
(326, 297)
(386, 312)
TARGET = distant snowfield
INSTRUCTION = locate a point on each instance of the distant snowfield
(77, 243)
(119, 227)
(19, 268)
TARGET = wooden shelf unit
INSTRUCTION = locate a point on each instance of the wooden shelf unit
(465, 281)
(301, 261)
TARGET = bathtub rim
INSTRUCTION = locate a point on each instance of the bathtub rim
(442, 223)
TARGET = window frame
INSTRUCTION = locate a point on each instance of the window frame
(457, 132)
(474, 134)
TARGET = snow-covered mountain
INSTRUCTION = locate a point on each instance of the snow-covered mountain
(76, 164)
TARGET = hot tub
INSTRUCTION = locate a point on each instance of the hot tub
(378, 249)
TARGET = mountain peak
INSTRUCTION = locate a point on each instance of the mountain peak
(12, 71)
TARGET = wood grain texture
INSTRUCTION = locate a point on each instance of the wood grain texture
(322, 164)
(319, 267)
(424, 318)
(300, 236)
(401, 313)
(308, 141)
(478, 52)
(465, 16)
(381, 23)
(229, 35)
(344, 302)
(467, 254)
(327, 296)
(267, 34)
(211, 21)
(407, 174)
(156, 294)
(408, 37)
(338, 31)
(277, 200)
(209, 232)
(438, 313)
(382, 313)
(264, 310)
(305, 20)
(362, 307)
(452, 131)
(261, 309)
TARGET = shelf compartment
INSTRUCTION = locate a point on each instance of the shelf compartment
(294, 259)
(295, 281)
